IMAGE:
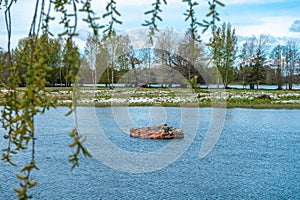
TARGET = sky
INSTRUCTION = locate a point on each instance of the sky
(279, 19)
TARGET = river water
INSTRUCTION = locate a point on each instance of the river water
(257, 156)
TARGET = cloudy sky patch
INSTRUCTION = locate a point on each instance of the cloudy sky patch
(278, 18)
(295, 26)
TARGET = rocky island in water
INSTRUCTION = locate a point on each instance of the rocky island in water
(161, 131)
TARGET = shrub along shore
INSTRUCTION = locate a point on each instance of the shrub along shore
(174, 97)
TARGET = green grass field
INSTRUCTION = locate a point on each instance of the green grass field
(174, 97)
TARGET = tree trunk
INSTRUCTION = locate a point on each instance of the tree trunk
(257, 84)
(279, 79)
(279, 87)
(291, 82)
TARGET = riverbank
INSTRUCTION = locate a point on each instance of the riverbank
(175, 97)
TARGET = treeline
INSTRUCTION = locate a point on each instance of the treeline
(187, 61)
(256, 61)
(113, 59)
(174, 60)
(261, 64)
(61, 56)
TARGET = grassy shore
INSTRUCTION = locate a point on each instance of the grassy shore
(175, 97)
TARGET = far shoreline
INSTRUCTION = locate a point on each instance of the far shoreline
(172, 97)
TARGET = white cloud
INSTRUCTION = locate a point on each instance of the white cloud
(276, 26)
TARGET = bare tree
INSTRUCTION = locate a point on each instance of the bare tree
(117, 48)
(91, 50)
(255, 56)
(278, 63)
(291, 62)
(191, 56)
(166, 46)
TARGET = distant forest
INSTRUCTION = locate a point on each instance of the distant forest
(174, 60)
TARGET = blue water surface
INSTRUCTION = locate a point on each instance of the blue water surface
(256, 157)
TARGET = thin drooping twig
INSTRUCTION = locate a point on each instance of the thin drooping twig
(8, 27)
(152, 23)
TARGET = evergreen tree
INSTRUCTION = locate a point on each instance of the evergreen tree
(223, 47)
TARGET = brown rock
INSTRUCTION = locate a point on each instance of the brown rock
(162, 131)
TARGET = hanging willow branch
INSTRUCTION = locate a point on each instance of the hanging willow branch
(69, 18)
(21, 107)
(213, 14)
(152, 23)
(190, 15)
(46, 19)
(9, 109)
(111, 12)
(90, 19)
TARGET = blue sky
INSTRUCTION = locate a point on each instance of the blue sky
(277, 18)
